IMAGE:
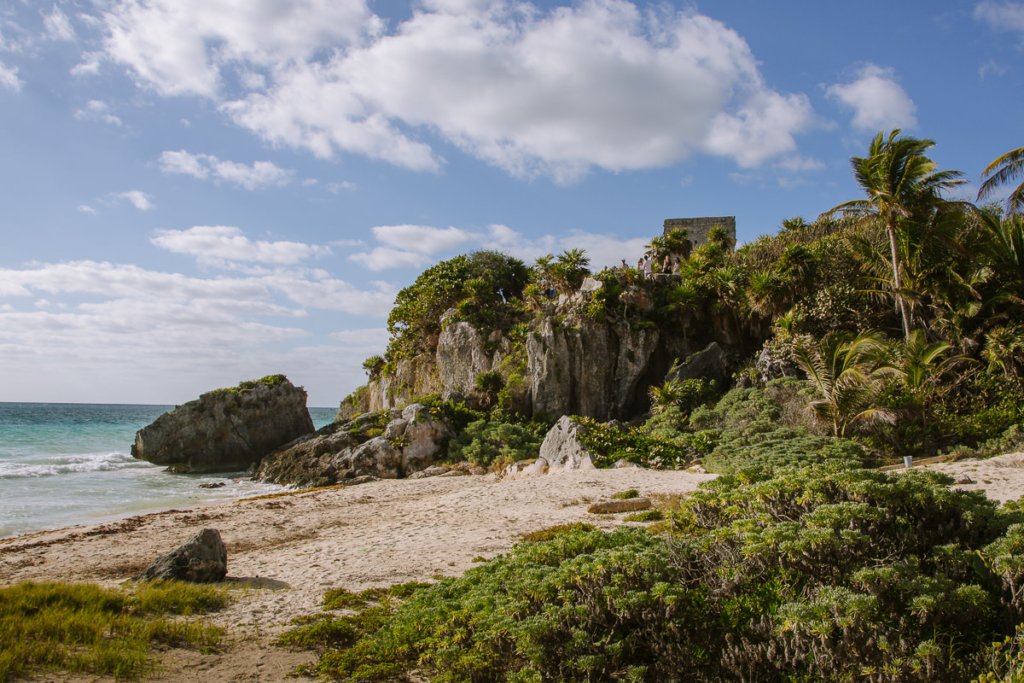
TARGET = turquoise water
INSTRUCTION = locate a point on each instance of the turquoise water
(63, 464)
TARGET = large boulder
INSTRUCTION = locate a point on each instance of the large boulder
(227, 430)
(343, 451)
(202, 559)
(562, 448)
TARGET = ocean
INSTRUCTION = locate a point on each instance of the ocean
(63, 464)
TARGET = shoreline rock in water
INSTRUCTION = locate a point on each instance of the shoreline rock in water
(227, 430)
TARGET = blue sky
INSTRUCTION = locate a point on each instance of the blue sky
(198, 192)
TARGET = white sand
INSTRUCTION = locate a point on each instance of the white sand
(284, 552)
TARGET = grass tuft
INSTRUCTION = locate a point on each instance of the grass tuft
(85, 628)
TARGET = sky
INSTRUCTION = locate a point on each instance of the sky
(199, 192)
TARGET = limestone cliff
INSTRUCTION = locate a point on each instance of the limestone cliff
(226, 430)
(567, 364)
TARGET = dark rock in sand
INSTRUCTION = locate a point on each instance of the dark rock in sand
(201, 560)
(212, 485)
(227, 430)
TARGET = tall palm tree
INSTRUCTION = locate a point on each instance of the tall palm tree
(1002, 171)
(898, 180)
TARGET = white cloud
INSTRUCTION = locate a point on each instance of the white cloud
(420, 238)
(991, 68)
(181, 46)
(534, 91)
(58, 26)
(9, 78)
(249, 176)
(603, 250)
(368, 339)
(408, 246)
(1001, 16)
(137, 198)
(89, 66)
(97, 110)
(877, 100)
(220, 242)
(85, 208)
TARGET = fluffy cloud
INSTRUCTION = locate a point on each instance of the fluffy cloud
(9, 78)
(137, 198)
(97, 110)
(58, 26)
(1001, 16)
(214, 243)
(406, 246)
(250, 176)
(877, 100)
(184, 46)
(556, 92)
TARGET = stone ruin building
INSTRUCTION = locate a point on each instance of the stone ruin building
(698, 228)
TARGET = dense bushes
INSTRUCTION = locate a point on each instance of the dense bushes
(486, 442)
(824, 573)
(484, 287)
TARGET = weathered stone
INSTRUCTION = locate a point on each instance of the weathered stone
(410, 442)
(212, 485)
(622, 463)
(708, 363)
(226, 430)
(461, 356)
(591, 284)
(562, 449)
(317, 460)
(201, 560)
(588, 367)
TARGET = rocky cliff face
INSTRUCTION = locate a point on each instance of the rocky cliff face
(571, 364)
(226, 430)
(579, 366)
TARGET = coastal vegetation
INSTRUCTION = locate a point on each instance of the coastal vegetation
(829, 572)
(87, 629)
(887, 327)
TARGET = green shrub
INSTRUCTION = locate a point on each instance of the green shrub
(626, 495)
(484, 442)
(824, 573)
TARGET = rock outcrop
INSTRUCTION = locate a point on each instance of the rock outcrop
(202, 559)
(342, 451)
(599, 369)
(227, 430)
(562, 448)
(709, 363)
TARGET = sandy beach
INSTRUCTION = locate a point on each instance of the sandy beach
(285, 551)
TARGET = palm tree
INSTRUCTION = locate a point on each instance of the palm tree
(849, 374)
(899, 180)
(1002, 171)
